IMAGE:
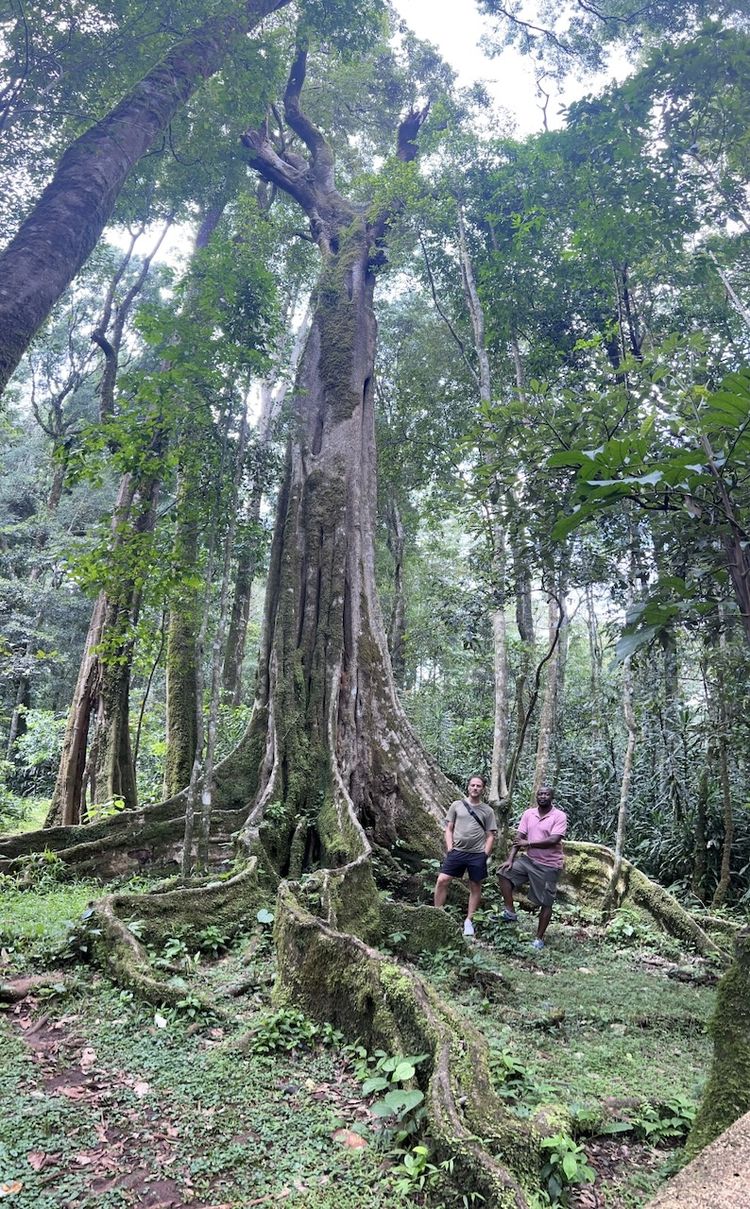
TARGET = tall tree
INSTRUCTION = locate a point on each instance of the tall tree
(63, 228)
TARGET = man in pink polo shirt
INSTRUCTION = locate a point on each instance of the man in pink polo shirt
(540, 834)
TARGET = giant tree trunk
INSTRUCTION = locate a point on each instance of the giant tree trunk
(340, 752)
(64, 226)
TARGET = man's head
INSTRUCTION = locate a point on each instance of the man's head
(475, 786)
(545, 796)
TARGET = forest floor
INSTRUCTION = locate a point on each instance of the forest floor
(109, 1102)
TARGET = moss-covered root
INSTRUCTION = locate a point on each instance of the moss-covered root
(338, 978)
(588, 869)
(17, 989)
(227, 905)
(727, 1094)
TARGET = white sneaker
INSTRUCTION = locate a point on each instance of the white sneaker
(468, 928)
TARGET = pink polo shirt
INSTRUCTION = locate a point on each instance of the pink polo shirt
(535, 826)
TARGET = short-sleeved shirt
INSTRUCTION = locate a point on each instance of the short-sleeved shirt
(468, 835)
(536, 827)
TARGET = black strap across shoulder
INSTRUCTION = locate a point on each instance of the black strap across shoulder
(474, 815)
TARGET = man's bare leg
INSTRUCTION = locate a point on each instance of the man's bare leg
(506, 889)
(475, 895)
(545, 915)
(441, 889)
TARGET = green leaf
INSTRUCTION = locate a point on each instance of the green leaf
(570, 1165)
(377, 1083)
(403, 1072)
(628, 644)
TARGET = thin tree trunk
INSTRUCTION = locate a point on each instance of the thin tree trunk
(102, 688)
(199, 649)
(65, 808)
(498, 788)
(182, 694)
(722, 888)
(61, 231)
(217, 650)
(625, 784)
(700, 855)
(595, 694)
(273, 393)
(184, 610)
(548, 714)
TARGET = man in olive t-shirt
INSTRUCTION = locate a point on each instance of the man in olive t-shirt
(470, 833)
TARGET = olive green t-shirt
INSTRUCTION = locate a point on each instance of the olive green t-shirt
(467, 833)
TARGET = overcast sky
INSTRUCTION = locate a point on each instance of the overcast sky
(456, 27)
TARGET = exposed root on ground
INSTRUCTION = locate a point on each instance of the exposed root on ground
(16, 989)
(588, 869)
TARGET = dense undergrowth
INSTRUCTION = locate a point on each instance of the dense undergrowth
(602, 1038)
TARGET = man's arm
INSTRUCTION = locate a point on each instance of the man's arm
(552, 840)
(489, 843)
(448, 836)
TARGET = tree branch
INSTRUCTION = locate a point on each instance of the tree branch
(321, 156)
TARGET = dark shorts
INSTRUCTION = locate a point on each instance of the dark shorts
(457, 863)
(542, 879)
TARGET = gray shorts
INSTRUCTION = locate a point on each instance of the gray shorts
(542, 879)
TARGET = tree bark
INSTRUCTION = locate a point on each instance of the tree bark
(397, 627)
(57, 237)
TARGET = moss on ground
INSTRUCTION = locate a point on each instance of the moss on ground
(591, 1021)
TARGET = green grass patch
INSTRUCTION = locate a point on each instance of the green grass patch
(34, 924)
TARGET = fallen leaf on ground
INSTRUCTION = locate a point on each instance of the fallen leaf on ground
(347, 1137)
(36, 1159)
(10, 1188)
(141, 1089)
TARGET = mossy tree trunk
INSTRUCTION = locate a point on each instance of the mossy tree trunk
(727, 1093)
(340, 756)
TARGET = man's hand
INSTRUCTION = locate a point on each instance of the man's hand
(514, 848)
